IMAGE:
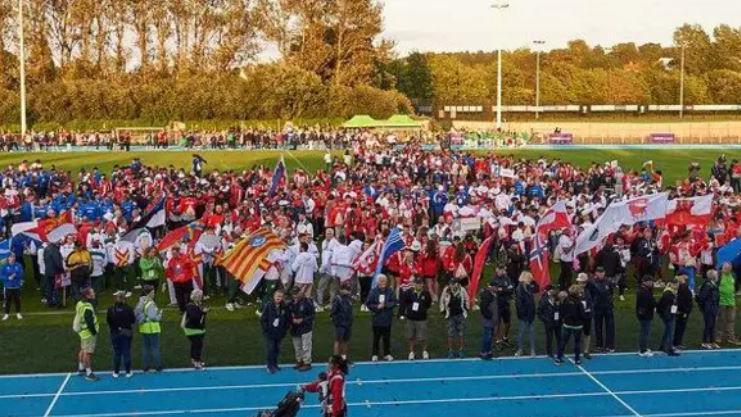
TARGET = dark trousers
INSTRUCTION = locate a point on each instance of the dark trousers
(121, 352)
(708, 332)
(12, 296)
(567, 333)
(605, 319)
(564, 278)
(50, 292)
(365, 286)
(552, 334)
(273, 350)
(196, 346)
(382, 334)
(679, 328)
(77, 286)
(487, 337)
(121, 278)
(644, 334)
(182, 293)
(667, 339)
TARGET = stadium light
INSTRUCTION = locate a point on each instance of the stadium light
(22, 67)
(538, 47)
(681, 83)
(499, 7)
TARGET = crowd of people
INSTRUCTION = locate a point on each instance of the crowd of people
(443, 202)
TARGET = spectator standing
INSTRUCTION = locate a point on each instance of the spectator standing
(180, 271)
(12, 278)
(504, 289)
(549, 313)
(573, 316)
(413, 307)
(588, 308)
(80, 266)
(341, 314)
(601, 290)
(193, 324)
(645, 308)
(708, 299)
(275, 319)
(149, 318)
(667, 310)
(382, 302)
(490, 319)
(86, 326)
(53, 270)
(684, 308)
(454, 305)
(151, 268)
(302, 326)
(727, 312)
(121, 318)
(525, 304)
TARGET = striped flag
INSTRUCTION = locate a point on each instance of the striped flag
(249, 259)
(393, 244)
(187, 234)
(279, 176)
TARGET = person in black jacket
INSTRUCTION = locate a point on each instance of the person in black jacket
(601, 292)
(525, 303)
(490, 318)
(612, 259)
(193, 324)
(572, 316)
(588, 303)
(274, 320)
(708, 299)
(302, 326)
(549, 314)
(381, 302)
(504, 289)
(684, 308)
(413, 306)
(645, 307)
(53, 266)
(121, 318)
(341, 315)
(667, 310)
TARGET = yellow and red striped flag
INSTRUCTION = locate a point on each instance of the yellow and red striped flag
(248, 260)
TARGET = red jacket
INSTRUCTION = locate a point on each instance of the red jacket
(180, 269)
(335, 394)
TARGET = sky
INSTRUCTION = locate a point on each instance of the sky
(471, 25)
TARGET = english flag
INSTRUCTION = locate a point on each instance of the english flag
(691, 212)
(555, 218)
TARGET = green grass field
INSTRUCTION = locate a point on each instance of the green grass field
(44, 340)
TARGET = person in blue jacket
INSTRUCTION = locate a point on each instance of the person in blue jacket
(11, 274)
(342, 318)
(381, 302)
(275, 320)
(439, 200)
(708, 299)
(601, 291)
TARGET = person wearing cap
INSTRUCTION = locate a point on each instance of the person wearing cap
(708, 300)
(489, 309)
(275, 320)
(381, 302)
(645, 308)
(85, 324)
(572, 316)
(549, 313)
(667, 309)
(454, 304)
(193, 324)
(413, 306)
(80, 265)
(302, 325)
(684, 308)
(525, 305)
(149, 318)
(341, 314)
(120, 318)
(588, 303)
(12, 277)
(180, 271)
(600, 290)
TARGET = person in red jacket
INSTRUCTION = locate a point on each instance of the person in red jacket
(180, 271)
(332, 389)
(428, 265)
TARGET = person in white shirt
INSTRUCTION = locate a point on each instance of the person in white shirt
(342, 269)
(99, 256)
(305, 266)
(207, 247)
(565, 251)
(121, 255)
(325, 270)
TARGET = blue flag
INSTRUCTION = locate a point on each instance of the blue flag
(393, 244)
(279, 176)
(5, 246)
(730, 252)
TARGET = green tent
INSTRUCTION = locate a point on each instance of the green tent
(402, 121)
(362, 121)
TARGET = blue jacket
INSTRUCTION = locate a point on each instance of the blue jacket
(341, 312)
(12, 276)
(382, 317)
(303, 309)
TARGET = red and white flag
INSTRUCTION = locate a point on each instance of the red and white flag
(366, 262)
(555, 218)
(691, 212)
(47, 230)
(478, 266)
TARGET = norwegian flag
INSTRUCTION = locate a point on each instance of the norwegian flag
(555, 218)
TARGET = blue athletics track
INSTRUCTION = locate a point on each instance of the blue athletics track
(694, 384)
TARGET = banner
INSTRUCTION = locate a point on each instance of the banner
(662, 137)
(561, 138)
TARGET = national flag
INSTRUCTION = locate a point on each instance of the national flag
(478, 266)
(279, 177)
(367, 261)
(5, 251)
(691, 212)
(154, 215)
(249, 259)
(555, 218)
(47, 230)
(393, 244)
(187, 234)
(730, 252)
(638, 209)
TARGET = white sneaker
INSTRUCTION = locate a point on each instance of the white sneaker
(374, 358)
(388, 358)
(319, 309)
(129, 374)
(622, 298)
(128, 294)
(137, 287)
(364, 309)
(425, 355)
(258, 313)
(5, 317)
(114, 374)
(19, 316)
(237, 306)
(229, 307)
(411, 356)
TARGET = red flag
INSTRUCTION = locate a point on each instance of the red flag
(691, 212)
(478, 266)
(187, 234)
(555, 218)
(539, 264)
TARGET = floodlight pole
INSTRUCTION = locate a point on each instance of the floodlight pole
(22, 59)
(499, 7)
(538, 44)
(681, 84)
